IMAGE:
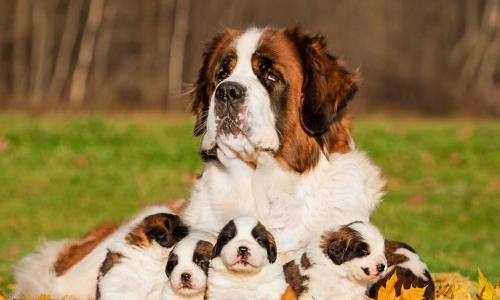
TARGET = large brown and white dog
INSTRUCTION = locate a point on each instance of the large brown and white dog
(244, 263)
(271, 106)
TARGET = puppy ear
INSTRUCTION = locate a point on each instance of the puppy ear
(227, 233)
(265, 240)
(272, 251)
(173, 259)
(205, 84)
(327, 86)
(337, 251)
(178, 228)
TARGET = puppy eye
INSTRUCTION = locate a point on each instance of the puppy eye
(222, 74)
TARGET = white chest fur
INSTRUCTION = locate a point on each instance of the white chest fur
(268, 284)
(295, 207)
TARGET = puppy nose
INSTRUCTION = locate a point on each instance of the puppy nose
(230, 91)
(242, 250)
(185, 277)
(380, 268)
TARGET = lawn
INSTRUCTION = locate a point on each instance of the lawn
(61, 175)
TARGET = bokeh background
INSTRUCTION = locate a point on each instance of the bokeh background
(94, 123)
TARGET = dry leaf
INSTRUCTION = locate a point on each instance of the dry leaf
(485, 289)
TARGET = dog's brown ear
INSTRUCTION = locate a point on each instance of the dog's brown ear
(327, 86)
(205, 81)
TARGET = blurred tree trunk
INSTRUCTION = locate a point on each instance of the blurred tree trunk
(66, 48)
(80, 75)
(20, 71)
(43, 42)
(176, 60)
(476, 54)
(163, 37)
(148, 45)
(100, 77)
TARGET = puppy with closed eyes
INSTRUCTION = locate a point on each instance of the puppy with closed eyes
(340, 264)
(187, 270)
(134, 267)
(244, 263)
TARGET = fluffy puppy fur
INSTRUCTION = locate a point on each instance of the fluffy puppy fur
(244, 263)
(339, 265)
(133, 266)
(187, 270)
(40, 273)
(411, 271)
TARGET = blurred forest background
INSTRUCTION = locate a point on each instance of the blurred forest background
(437, 57)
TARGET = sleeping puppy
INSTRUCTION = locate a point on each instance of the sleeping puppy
(340, 264)
(409, 268)
(133, 268)
(187, 270)
(244, 263)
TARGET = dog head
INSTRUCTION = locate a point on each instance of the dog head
(187, 266)
(163, 229)
(245, 245)
(357, 249)
(275, 91)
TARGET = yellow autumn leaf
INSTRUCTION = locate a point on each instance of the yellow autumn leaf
(485, 289)
(388, 292)
(2, 297)
(412, 293)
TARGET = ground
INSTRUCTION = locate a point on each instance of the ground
(61, 175)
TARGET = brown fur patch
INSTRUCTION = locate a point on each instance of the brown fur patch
(392, 257)
(345, 234)
(112, 258)
(300, 149)
(76, 250)
(294, 278)
(305, 263)
(203, 252)
(168, 227)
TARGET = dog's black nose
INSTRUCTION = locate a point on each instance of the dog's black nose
(380, 268)
(242, 250)
(185, 277)
(230, 91)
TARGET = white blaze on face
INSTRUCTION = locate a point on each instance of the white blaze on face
(185, 265)
(257, 119)
(257, 255)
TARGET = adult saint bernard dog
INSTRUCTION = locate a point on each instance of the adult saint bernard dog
(271, 107)
(276, 139)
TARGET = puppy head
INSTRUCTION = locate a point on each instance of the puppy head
(163, 229)
(187, 266)
(358, 249)
(245, 245)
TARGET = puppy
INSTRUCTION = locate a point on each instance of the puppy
(187, 270)
(133, 267)
(244, 263)
(339, 265)
(411, 271)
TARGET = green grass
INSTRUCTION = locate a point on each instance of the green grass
(59, 176)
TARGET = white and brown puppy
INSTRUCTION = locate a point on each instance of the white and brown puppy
(411, 271)
(133, 268)
(244, 263)
(187, 270)
(272, 108)
(69, 268)
(340, 264)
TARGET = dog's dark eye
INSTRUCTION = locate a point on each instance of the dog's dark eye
(202, 263)
(272, 77)
(262, 241)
